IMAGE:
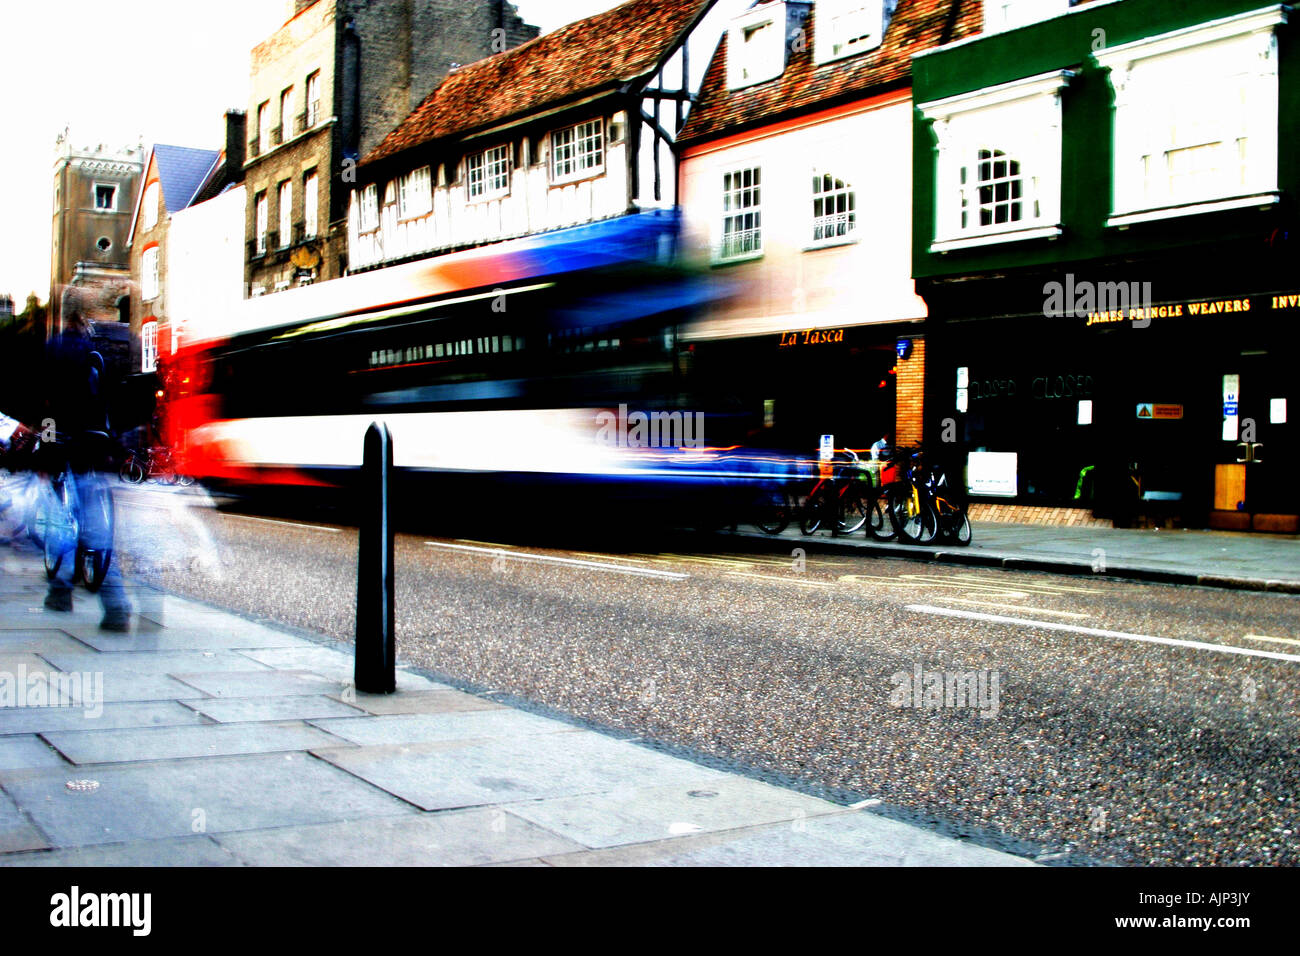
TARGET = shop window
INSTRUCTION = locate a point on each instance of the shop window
(998, 170)
(1196, 119)
(742, 214)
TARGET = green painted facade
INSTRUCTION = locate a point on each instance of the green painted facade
(1067, 42)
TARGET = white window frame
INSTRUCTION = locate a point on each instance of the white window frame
(578, 151)
(1002, 15)
(284, 196)
(847, 28)
(286, 114)
(368, 219)
(414, 194)
(310, 205)
(1022, 120)
(149, 278)
(264, 127)
(94, 197)
(487, 174)
(151, 194)
(733, 193)
(149, 347)
(261, 221)
(312, 105)
(1165, 91)
(756, 46)
(839, 226)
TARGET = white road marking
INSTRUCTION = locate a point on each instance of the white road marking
(1265, 637)
(1099, 632)
(1018, 607)
(288, 524)
(571, 562)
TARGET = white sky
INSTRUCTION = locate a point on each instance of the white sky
(157, 71)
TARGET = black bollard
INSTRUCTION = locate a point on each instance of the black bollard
(376, 644)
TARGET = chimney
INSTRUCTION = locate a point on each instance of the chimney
(236, 143)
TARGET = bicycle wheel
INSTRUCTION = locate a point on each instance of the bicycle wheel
(854, 513)
(98, 527)
(811, 519)
(959, 526)
(913, 517)
(772, 512)
(878, 524)
(132, 471)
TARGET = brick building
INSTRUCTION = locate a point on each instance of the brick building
(326, 87)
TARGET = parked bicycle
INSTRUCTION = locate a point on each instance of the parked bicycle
(846, 501)
(152, 465)
(921, 506)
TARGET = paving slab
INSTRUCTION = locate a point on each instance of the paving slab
(31, 641)
(185, 639)
(172, 743)
(16, 833)
(191, 851)
(235, 710)
(151, 801)
(153, 662)
(31, 663)
(260, 683)
(112, 716)
(336, 663)
(854, 839)
(421, 702)
(433, 728)
(436, 776)
(626, 816)
(21, 752)
(455, 838)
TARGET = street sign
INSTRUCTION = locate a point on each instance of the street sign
(827, 451)
(1144, 410)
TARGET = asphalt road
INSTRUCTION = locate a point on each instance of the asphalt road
(1077, 720)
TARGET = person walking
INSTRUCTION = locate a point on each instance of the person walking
(75, 402)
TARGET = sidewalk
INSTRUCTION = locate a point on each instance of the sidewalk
(202, 738)
(1228, 559)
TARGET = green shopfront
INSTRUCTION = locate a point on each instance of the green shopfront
(1097, 340)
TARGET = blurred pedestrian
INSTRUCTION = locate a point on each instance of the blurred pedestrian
(76, 404)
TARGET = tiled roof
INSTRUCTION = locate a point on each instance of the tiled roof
(182, 170)
(614, 47)
(916, 25)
